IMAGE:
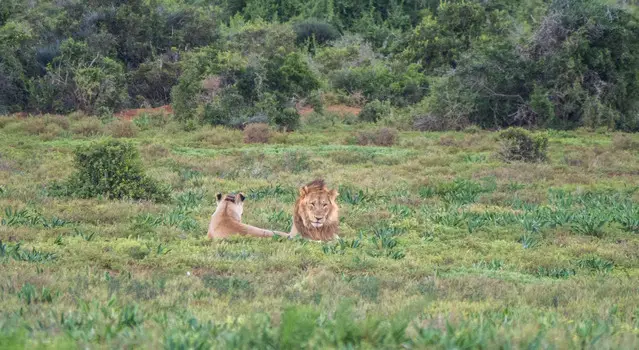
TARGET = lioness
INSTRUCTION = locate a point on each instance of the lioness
(315, 215)
(228, 216)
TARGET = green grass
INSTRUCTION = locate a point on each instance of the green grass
(442, 246)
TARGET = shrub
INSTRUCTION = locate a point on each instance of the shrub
(88, 127)
(518, 144)
(257, 133)
(365, 138)
(112, 169)
(214, 114)
(319, 30)
(374, 110)
(386, 137)
(151, 81)
(288, 119)
(624, 142)
(123, 128)
(380, 137)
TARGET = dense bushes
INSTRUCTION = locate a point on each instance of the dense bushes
(374, 110)
(577, 68)
(111, 169)
(558, 64)
(316, 30)
(234, 90)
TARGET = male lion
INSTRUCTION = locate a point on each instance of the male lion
(228, 216)
(315, 215)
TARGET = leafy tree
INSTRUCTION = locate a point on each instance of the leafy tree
(76, 80)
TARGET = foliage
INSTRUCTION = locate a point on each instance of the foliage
(288, 119)
(111, 169)
(576, 68)
(518, 144)
(401, 84)
(374, 110)
(554, 64)
(76, 79)
(316, 30)
(233, 89)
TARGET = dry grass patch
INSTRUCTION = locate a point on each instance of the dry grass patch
(88, 127)
(123, 128)
(257, 133)
(381, 137)
(218, 136)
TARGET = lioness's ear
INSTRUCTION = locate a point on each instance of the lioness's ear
(218, 196)
(303, 191)
(241, 196)
(333, 194)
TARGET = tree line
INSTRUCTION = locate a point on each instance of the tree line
(443, 64)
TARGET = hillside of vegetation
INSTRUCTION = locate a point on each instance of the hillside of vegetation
(444, 243)
(436, 64)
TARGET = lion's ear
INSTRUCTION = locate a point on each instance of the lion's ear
(219, 197)
(303, 191)
(241, 197)
(333, 194)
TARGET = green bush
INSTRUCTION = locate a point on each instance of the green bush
(151, 82)
(318, 30)
(111, 169)
(374, 110)
(214, 114)
(578, 67)
(288, 119)
(518, 144)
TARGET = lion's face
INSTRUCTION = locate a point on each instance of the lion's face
(317, 206)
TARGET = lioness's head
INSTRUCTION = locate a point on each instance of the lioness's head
(231, 204)
(317, 204)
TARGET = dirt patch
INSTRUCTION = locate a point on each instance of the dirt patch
(306, 110)
(129, 114)
(343, 109)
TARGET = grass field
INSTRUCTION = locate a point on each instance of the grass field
(444, 245)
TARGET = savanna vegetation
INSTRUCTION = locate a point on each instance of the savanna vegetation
(454, 234)
(423, 64)
(469, 239)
